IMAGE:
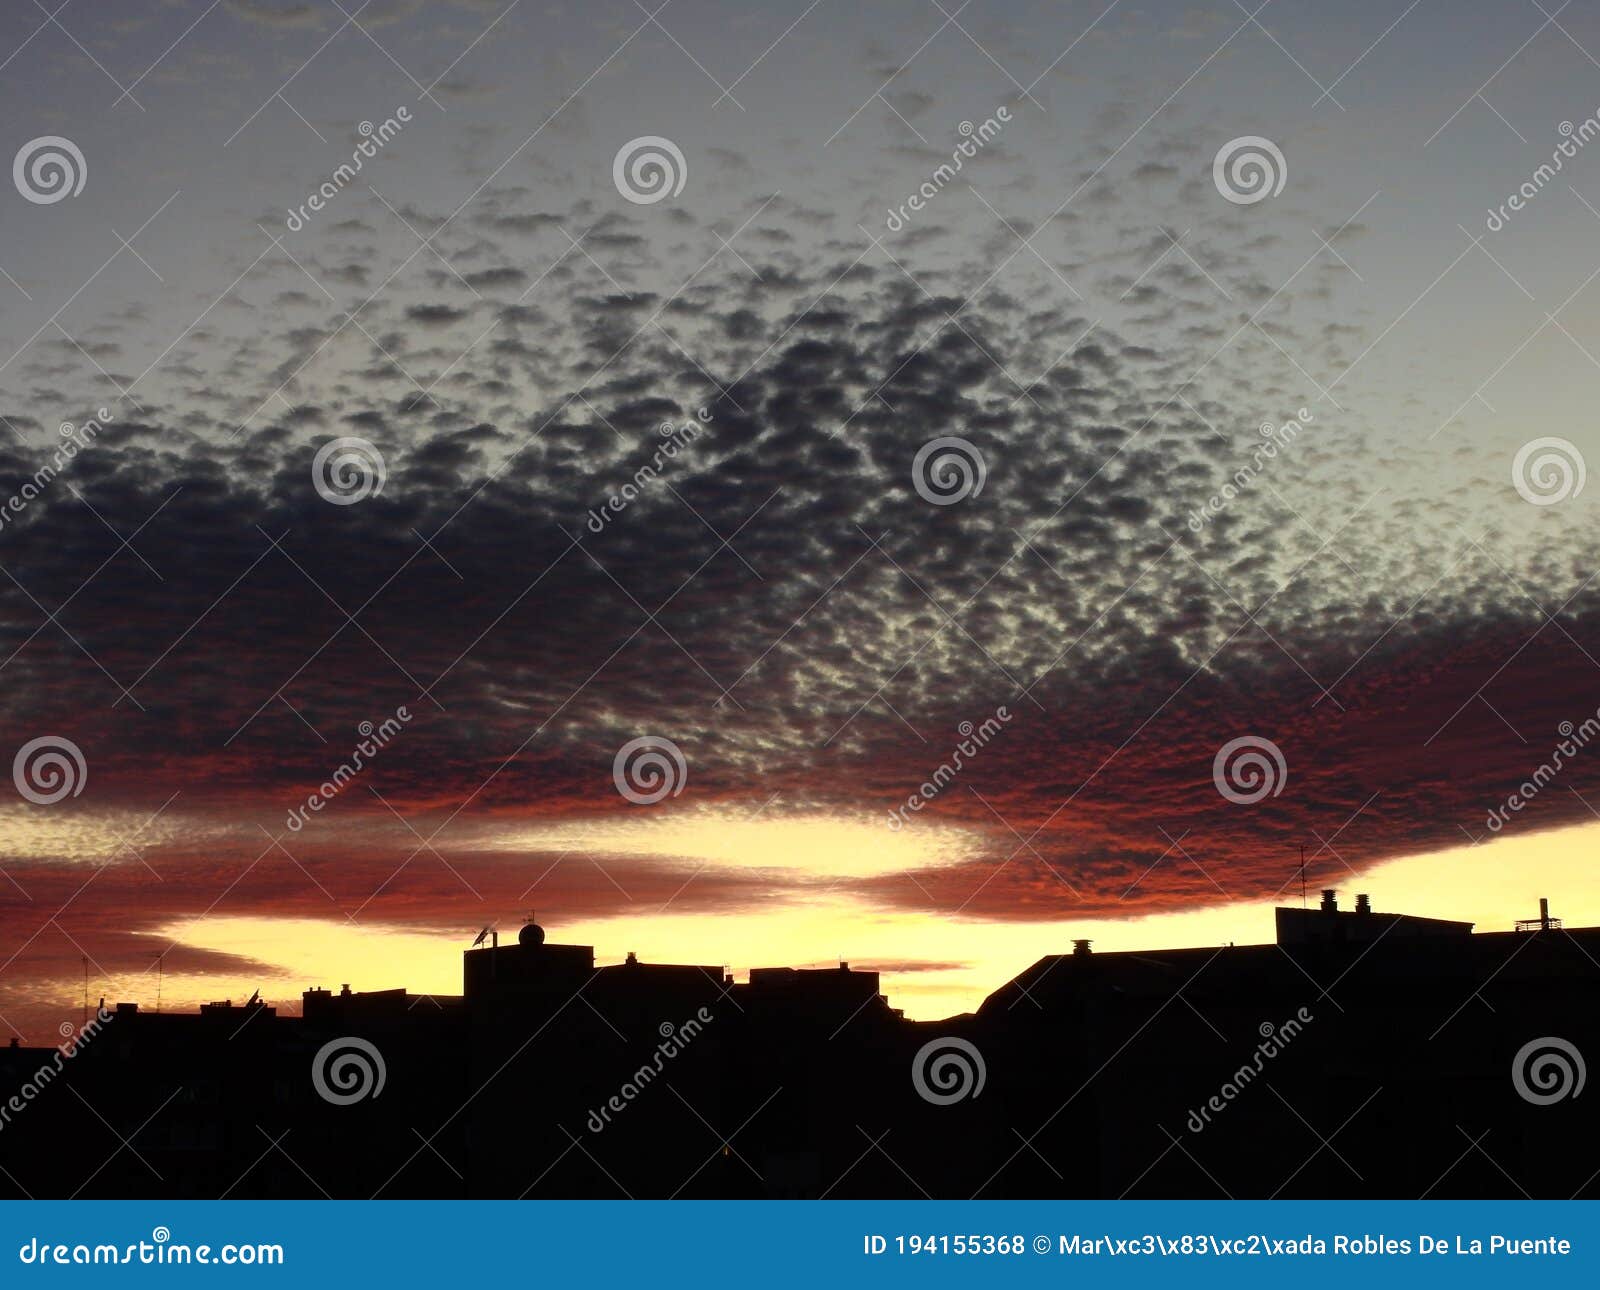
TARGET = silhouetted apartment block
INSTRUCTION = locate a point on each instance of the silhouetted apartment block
(1330, 925)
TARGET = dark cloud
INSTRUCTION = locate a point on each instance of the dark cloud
(778, 598)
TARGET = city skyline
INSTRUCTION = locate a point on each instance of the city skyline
(1347, 1057)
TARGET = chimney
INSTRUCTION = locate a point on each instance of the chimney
(1544, 914)
(1080, 949)
(1363, 904)
(1330, 903)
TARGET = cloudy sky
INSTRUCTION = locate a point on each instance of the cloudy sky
(1256, 347)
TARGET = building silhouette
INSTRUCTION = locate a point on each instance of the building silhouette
(1362, 1054)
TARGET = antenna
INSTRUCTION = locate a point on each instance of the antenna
(86, 989)
(161, 960)
(1302, 875)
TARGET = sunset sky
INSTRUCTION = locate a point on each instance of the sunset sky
(1400, 600)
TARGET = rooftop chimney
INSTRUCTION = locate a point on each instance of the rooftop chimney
(1363, 905)
(1543, 923)
(1081, 948)
(1330, 903)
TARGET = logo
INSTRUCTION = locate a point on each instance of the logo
(347, 471)
(948, 470)
(648, 169)
(48, 169)
(49, 768)
(1547, 471)
(1547, 1070)
(948, 1070)
(348, 1070)
(1249, 169)
(1249, 768)
(648, 769)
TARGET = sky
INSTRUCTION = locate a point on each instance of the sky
(778, 483)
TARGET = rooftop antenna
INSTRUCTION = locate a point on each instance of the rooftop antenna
(1302, 875)
(86, 989)
(161, 960)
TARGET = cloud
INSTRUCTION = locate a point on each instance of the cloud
(539, 584)
(284, 15)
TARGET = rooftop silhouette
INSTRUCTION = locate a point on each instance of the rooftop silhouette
(1363, 1053)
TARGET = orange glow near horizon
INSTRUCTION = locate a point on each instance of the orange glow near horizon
(1491, 885)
